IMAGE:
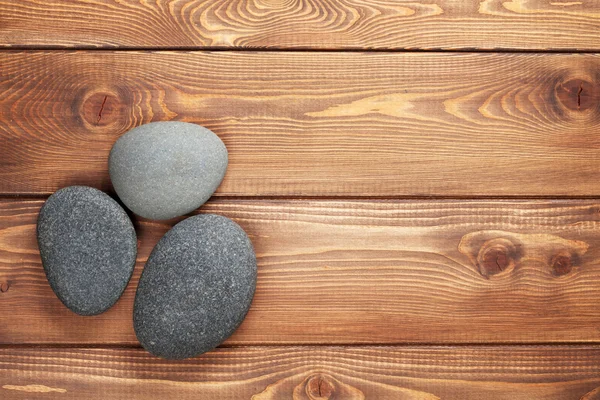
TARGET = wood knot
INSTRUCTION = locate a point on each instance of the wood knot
(4, 286)
(318, 387)
(496, 256)
(578, 95)
(321, 386)
(102, 109)
(325, 387)
(561, 264)
(498, 252)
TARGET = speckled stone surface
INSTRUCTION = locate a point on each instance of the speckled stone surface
(88, 247)
(163, 170)
(196, 287)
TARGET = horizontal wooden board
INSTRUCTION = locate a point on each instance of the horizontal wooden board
(303, 373)
(318, 24)
(347, 272)
(317, 124)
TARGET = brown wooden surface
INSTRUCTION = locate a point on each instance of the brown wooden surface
(318, 24)
(318, 124)
(303, 373)
(360, 272)
(367, 181)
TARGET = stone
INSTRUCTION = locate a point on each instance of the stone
(88, 248)
(164, 170)
(196, 287)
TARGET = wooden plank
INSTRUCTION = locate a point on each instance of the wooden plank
(268, 373)
(343, 272)
(319, 24)
(317, 124)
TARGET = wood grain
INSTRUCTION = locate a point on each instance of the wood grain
(304, 24)
(303, 373)
(344, 272)
(314, 124)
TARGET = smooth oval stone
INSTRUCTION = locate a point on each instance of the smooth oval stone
(88, 247)
(196, 287)
(163, 170)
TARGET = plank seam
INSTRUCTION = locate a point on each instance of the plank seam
(539, 345)
(42, 196)
(218, 49)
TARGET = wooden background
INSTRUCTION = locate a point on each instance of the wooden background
(420, 180)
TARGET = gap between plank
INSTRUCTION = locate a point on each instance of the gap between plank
(42, 196)
(307, 345)
(295, 50)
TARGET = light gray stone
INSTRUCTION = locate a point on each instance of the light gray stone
(163, 170)
(88, 247)
(196, 287)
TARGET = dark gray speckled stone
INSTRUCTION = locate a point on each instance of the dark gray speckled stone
(196, 287)
(163, 170)
(88, 248)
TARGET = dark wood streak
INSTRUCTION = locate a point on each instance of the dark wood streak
(593, 395)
